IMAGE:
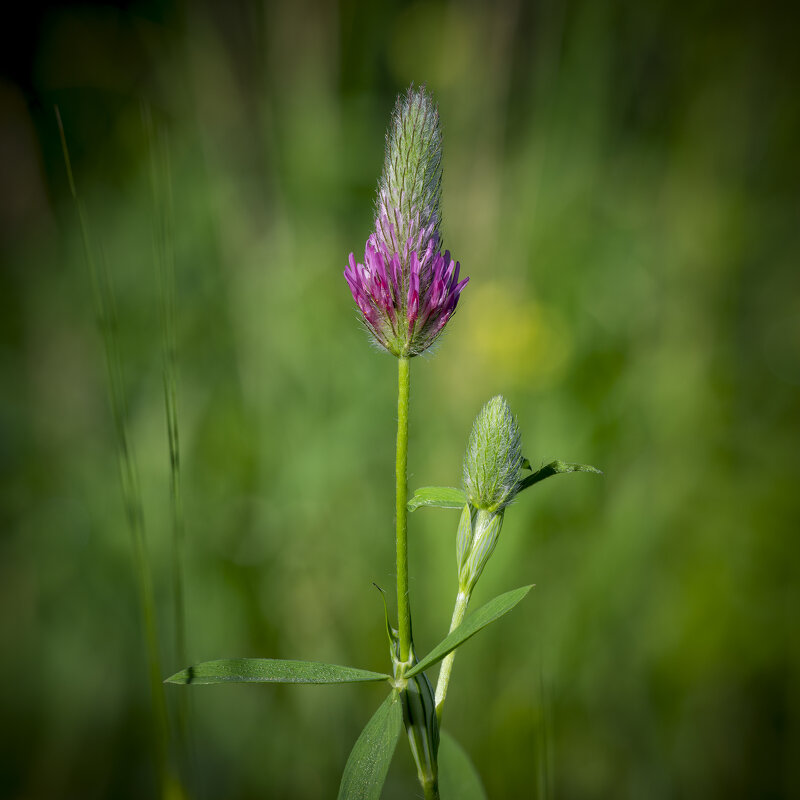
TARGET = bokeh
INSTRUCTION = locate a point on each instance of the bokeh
(621, 186)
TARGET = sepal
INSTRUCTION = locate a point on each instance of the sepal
(486, 527)
(464, 537)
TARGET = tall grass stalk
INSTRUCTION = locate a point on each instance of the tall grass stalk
(543, 751)
(105, 309)
(164, 260)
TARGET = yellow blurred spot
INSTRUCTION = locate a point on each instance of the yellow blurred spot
(512, 338)
(173, 789)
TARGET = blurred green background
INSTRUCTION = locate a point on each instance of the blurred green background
(621, 186)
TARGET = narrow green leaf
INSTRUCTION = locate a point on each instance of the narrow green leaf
(485, 615)
(366, 768)
(458, 778)
(271, 670)
(438, 497)
(392, 634)
(554, 468)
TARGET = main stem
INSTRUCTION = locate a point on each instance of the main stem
(401, 499)
(429, 782)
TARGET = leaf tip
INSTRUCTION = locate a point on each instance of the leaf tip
(182, 677)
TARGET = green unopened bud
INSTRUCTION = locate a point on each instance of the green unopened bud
(422, 727)
(494, 457)
(419, 713)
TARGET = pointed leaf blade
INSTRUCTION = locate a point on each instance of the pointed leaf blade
(392, 634)
(366, 768)
(271, 670)
(458, 778)
(484, 616)
(555, 468)
(437, 497)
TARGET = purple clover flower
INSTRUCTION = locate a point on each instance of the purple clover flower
(405, 307)
(406, 289)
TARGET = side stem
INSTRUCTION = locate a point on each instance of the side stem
(401, 499)
(462, 601)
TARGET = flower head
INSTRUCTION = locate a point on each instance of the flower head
(406, 289)
(494, 457)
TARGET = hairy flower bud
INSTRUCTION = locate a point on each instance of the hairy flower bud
(494, 457)
(410, 189)
(406, 289)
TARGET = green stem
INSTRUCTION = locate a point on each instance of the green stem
(401, 499)
(462, 601)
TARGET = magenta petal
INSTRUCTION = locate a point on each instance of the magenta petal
(438, 292)
(413, 284)
(380, 264)
(373, 259)
(413, 308)
(397, 279)
(412, 304)
(442, 322)
(367, 310)
(451, 270)
(353, 286)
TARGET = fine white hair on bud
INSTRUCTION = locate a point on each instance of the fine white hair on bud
(410, 189)
(494, 457)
